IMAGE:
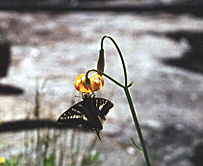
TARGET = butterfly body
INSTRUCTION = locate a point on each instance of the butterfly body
(87, 113)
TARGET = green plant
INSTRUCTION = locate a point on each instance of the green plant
(90, 158)
(14, 161)
(125, 87)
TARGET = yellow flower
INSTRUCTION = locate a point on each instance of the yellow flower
(94, 83)
(2, 160)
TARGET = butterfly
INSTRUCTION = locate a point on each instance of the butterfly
(87, 113)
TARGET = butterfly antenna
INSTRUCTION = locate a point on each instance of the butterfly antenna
(97, 131)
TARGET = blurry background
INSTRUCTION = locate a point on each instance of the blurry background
(44, 45)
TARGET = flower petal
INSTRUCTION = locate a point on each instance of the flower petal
(96, 83)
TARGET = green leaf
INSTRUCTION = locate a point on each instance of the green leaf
(136, 145)
(129, 85)
(154, 153)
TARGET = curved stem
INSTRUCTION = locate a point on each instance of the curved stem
(126, 90)
(133, 112)
(107, 76)
(120, 54)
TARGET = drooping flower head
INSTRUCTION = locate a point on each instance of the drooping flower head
(90, 84)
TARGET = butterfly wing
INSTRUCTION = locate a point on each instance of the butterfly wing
(74, 116)
(103, 106)
(86, 113)
(82, 113)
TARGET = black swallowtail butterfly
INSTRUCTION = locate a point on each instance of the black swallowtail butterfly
(87, 113)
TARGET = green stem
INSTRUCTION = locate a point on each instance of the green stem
(126, 90)
(137, 125)
(107, 76)
(120, 54)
